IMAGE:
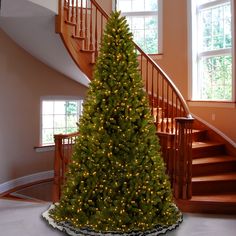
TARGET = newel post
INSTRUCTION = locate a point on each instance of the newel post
(183, 158)
(57, 169)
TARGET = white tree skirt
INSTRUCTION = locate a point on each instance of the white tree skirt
(70, 230)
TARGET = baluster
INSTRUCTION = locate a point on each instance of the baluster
(63, 162)
(91, 28)
(176, 108)
(101, 33)
(67, 5)
(141, 66)
(96, 33)
(162, 103)
(147, 89)
(152, 95)
(167, 108)
(72, 19)
(86, 26)
(81, 34)
(76, 17)
(172, 111)
(158, 105)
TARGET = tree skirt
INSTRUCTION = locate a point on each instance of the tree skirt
(70, 230)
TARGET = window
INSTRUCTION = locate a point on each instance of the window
(144, 19)
(212, 72)
(59, 116)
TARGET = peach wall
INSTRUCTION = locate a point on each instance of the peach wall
(23, 80)
(174, 59)
(106, 5)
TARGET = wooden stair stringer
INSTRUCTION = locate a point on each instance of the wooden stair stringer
(74, 45)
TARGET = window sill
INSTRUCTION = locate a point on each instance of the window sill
(48, 148)
(220, 104)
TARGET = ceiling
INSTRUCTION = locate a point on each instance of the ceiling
(31, 24)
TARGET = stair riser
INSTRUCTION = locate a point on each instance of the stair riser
(213, 168)
(208, 151)
(214, 187)
(199, 136)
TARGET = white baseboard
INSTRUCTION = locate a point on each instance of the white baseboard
(4, 187)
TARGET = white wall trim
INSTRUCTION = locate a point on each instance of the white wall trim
(51, 5)
(4, 187)
(216, 130)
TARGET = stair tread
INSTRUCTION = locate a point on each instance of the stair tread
(214, 159)
(87, 50)
(206, 144)
(219, 177)
(198, 131)
(223, 198)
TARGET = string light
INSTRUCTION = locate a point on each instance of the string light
(115, 174)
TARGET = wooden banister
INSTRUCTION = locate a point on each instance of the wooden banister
(182, 171)
(63, 151)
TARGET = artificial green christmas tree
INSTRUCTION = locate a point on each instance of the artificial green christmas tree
(116, 181)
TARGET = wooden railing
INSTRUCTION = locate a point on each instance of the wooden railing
(88, 20)
(63, 151)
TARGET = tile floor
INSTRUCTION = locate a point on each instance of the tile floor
(18, 218)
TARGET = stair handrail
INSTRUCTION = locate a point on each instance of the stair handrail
(64, 144)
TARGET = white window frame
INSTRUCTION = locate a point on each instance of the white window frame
(159, 14)
(193, 52)
(55, 98)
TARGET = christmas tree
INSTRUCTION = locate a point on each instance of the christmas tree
(116, 180)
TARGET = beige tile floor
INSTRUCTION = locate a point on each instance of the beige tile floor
(19, 218)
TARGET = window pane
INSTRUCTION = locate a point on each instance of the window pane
(139, 37)
(216, 82)
(151, 22)
(47, 107)
(124, 5)
(60, 131)
(151, 5)
(59, 107)
(71, 107)
(137, 23)
(71, 130)
(151, 41)
(138, 5)
(59, 121)
(47, 136)
(215, 28)
(71, 121)
(47, 121)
